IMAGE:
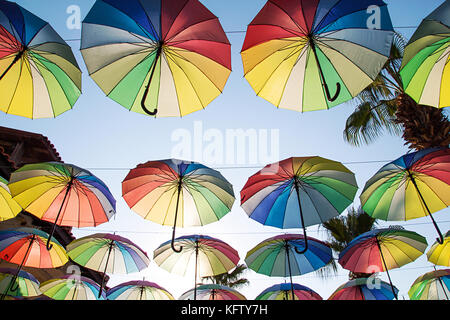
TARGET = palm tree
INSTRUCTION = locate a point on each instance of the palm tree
(385, 107)
(232, 279)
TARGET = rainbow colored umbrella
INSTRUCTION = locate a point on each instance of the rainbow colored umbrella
(26, 285)
(313, 55)
(282, 291)
(413, 186)
(364, 289)
(63, 194)
(9, 208)
(298, 192)
(434, 285)
(425, 67)
(383, 250)
(39, 75)
(212, 292)
(163, 58)
(138, 290)
(203, 255)
(439, 254)
(71, 288)
(108, 253)
(178, 193)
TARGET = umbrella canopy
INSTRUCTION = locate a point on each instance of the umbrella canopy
(108, 253)
(413, 186)
(382, 250)
(178, 193)
(63, 194)
(440, 253)
(71, 288)
(39, 76)
(364, 289)
(434, 285)
(138, 290)
(283, 292)
(26, 284)
(9, 208)
(313, 55)
(213, 292)
(163, 58)
(425, 67)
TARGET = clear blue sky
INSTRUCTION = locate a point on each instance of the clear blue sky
(102, 136)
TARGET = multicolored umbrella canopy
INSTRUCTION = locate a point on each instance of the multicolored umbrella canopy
(439, 254)
(63, 194)
(178, 193)
(364, 289)
(434, 285)
(313, 55)
(298, 192)
(26, 285)
(9, 208)
(71, 288)
(202, 255)
(138, 290)
(39, 75)
(283, 292)
(425, 67)
(108, 253)
(413, 186)
(163, 58)
(382, 250)
(213, 292)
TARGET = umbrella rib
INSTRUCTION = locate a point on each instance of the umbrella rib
(169, 40)
(173, 21)
(15, 89)
(290, 18)
(326, 15)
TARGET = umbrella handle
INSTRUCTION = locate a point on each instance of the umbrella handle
(297, 189)
(158, 54)
(306, 244)
(172, 244)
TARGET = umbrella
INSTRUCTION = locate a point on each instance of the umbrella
(212, 292)
(108, 253)
(178, 193)
(138, 290)
(313, 55)
(285, 255)
(382, 249)
(434, 285)
(71, 288)
(63, 194)
(298, 192)
(26, 284)
(158, 57)
(208, 257)
(440, 253)
(364, 289)
(39, 75)
(281, 292)
(9, 208)
(25, 247)
(413, 186)
(425, 70)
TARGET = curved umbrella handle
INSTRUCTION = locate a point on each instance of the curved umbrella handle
(155, 62)
(327, 92)
(172, 244)
(150, 113)
(180, 186)
(306, 244)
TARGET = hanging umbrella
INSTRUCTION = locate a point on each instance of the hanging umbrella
(63, 194)
(26, 284)
(383, 249)
(158, 57)
(434, 285)
(108, 253)
(212, 292)
(282, 291)
(425, 67)
(26, 248)
(440, 253)
(285, 255)
(71, 288)
(204, 255)
(138, 290)
(39, 75)
(298, 192)
(313, 55)
(413, 186)
(9, 208)
(364, 289)
(178, 193)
